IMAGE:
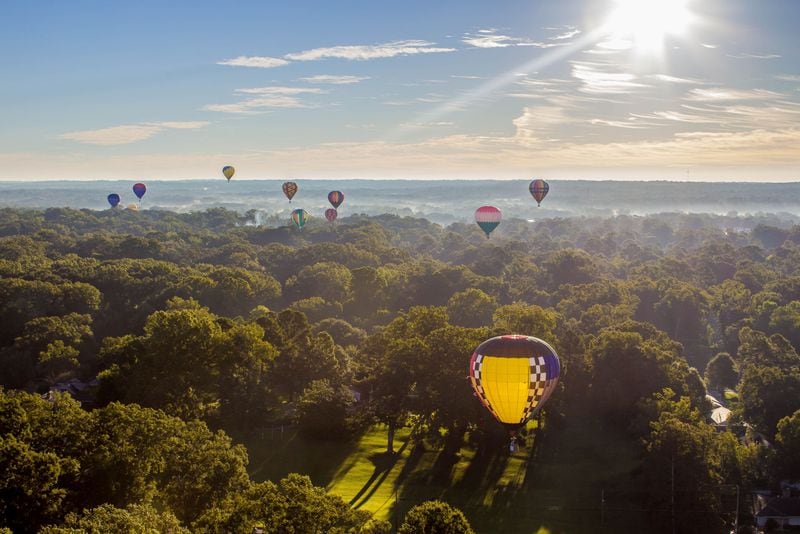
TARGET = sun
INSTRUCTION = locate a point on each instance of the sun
(648, 22)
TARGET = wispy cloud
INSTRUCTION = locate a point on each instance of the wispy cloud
(489, 38)
(540, 88)
(733, 117)
(265, 98)
(675, 79)
(335, 80)
(708, 45)
(754, 56)
(128, 133)
(429, 98)
(480, 156)
(425, 125)
(723, 94)
(462, 77)
(609, 46)
(678, 116)
(366, 52)
(260, 62)
(568, 33)
(351, 52)
(788, 77)
(770, 116)
(630, 124)
(280, 90)
(537, 121)
(599, 78)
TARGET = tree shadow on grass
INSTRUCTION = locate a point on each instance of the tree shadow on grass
(384, 462)
(441, 472)
(274, 454)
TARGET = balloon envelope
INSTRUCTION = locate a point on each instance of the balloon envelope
(539, 189)
(336, 198)
(139, 190)
(228, 171)
(299, 217)
(513, 376)
(133, 207)
(289, 189)
(113, 199)
(331, 214)
(488, 217)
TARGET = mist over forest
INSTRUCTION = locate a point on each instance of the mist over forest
(440, 201)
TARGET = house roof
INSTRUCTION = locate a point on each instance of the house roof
(720, 415)
(781, 507)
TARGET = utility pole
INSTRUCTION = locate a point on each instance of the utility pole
(602, 508)
(672, 491)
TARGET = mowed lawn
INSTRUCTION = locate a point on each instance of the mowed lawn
(553, 485)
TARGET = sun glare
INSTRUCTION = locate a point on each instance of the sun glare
(648, 22)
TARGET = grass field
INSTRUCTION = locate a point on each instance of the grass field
(553, 485)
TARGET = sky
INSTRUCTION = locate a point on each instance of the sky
(705, 90)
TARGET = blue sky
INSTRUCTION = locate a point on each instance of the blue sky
(597, 89)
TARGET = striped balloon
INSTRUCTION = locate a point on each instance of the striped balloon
(289, 189)
(336, 198)
(299, 217)
(331, 214)
(539, 189)
(488, 217)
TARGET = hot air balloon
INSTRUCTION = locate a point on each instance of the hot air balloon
(299, 217)
(139, 190)
(336, 198)
(289, 189)
(488, 217)
(133, 207)
(331, 214)
(113, 199)
(513, 376)
(539, 189)
(228, 171)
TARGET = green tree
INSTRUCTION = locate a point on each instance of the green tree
(524, 319)
(342, 332)
(681, 313)
(445, 399)
(31, 493)
(134, 518)
(330, 280)
(768, 394)
(570, 266)
(785, 320)
(322, 410)
(681, 449)
(189, 365)
(292, 505)
(787, 440)
(755, 348)
(369, 285)
(471, 308)
(435, 517)
(721, 372)
(624, 370)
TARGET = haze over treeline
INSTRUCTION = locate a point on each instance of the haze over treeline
(442, 201)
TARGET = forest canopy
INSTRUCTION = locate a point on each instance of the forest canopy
(187, 329)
